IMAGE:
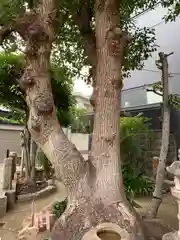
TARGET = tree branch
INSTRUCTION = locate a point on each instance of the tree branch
(4, 33)
(38, 33)
(83, 20)
(154, 91)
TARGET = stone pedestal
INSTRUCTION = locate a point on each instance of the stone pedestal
(11, 199)
(175, 191)
(3, 204)
(7, 174)
(51, 182)
(13, 155)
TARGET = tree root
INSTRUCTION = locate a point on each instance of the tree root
(153, 209)
(90, 218)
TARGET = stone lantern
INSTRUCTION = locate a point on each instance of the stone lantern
(174, 169)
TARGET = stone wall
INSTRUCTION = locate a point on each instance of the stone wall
(152, 143)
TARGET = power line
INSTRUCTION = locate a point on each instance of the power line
(157, 24)
(145, 11)
(156, 71)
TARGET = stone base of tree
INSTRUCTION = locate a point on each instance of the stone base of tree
(40, 194)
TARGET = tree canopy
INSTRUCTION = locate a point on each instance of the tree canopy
(73, 48)
(76, 37)
(76, 31)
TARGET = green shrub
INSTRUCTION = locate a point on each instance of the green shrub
(44, 162)
(59, 207)
(134, 132)
(135, 140)
(136, 184)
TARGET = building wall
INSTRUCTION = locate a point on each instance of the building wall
(82, 102)
(167, 38)
(9, 139)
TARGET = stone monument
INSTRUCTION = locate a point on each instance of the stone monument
(13, 155)
(7, 174)
(22, 144)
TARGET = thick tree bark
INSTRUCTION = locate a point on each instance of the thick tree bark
(37, 30)
(105, 152)
(104, 181)
(95, 187)
(160, 174)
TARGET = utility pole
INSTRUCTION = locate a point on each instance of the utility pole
(162, 64)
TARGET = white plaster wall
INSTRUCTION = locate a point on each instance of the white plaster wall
(168, 39)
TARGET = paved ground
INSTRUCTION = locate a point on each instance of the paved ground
(13, 219)
(167, 211)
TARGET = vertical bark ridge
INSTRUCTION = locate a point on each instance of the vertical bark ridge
(37, 28)
(105, 154)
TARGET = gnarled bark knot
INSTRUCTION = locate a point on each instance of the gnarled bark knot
(117, 41)
(106, 231)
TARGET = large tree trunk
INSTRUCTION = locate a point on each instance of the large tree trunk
(108, 203)
(95, 187)
(160, 174)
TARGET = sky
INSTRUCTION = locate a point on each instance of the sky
(81, 87)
